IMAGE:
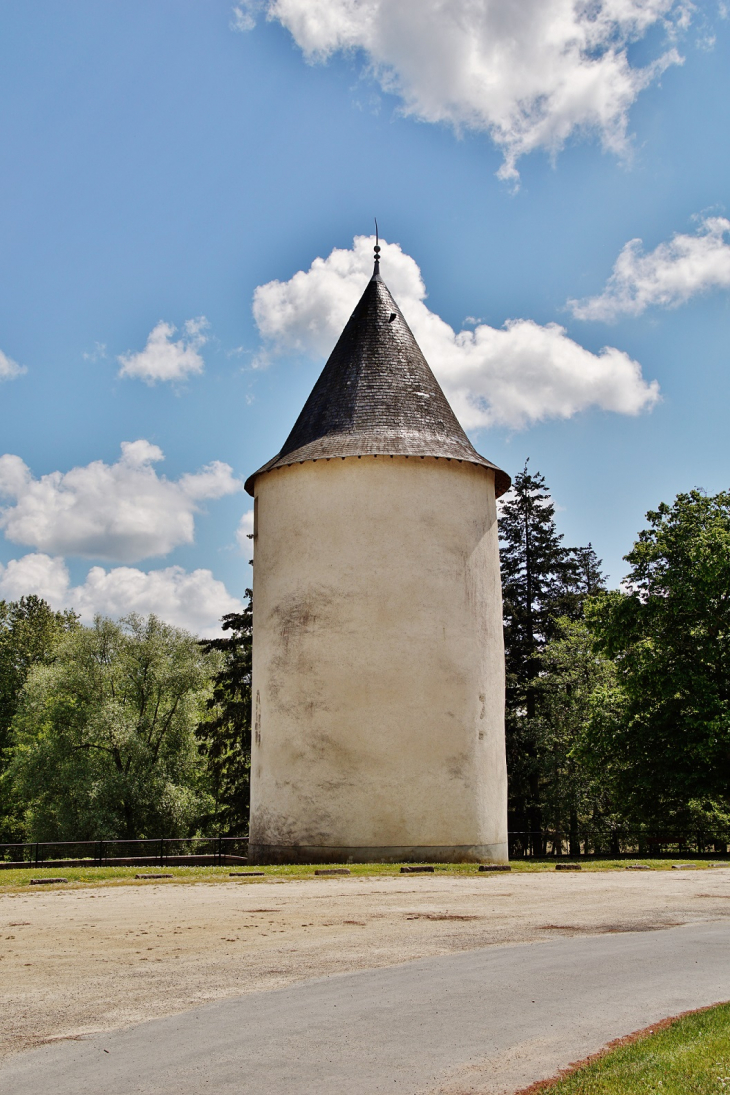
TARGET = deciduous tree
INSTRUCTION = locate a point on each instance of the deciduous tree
(576, 682)
(668, 631)
(29, 633)
(104, 736)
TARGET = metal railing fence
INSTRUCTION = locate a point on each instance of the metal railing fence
(145, 851)
(223, 850)
(618, 843)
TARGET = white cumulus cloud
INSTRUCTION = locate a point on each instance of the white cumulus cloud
(9, 369)
(164, 359)
(667, 276)
(194, 600)
(512, 376)
(531, 73)
(121, 512)
(244, 15)
(244, 532)
(34, 573)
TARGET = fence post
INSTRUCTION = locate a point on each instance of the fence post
(36, 853)
(220, 850)
(162, 851)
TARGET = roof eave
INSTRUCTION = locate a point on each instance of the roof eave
(502, 481)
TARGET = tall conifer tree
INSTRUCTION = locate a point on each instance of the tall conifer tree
(541, 581)
(225, 736)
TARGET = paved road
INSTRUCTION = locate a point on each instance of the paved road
(487, 1020)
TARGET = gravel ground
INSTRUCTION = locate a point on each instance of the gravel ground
(78, 960)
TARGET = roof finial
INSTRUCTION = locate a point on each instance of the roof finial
(376, 271)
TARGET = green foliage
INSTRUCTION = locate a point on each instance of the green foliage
(29, 632)
(225, 734)
(574, 680)
(669, 635)
(104, 741)
(690, 1057)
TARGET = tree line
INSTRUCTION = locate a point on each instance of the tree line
(617, 701)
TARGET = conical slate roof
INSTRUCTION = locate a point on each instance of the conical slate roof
(377, 396)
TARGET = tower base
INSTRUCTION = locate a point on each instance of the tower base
(312, 853)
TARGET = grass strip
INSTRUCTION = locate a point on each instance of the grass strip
(685, 1055)
(17, 879)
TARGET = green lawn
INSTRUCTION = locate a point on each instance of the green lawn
(690, 1057)
(12, 880)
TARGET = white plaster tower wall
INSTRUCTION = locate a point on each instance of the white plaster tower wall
(378, 674)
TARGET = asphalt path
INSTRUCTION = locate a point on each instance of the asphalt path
(488, 1020)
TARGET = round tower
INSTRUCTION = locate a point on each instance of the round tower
(378, 659)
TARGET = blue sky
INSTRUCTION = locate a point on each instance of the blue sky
(163, 161)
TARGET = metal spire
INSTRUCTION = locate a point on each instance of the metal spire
(376, 271)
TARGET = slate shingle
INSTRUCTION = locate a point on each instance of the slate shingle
(377, 396)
